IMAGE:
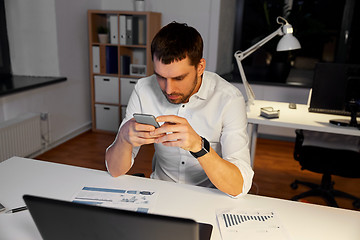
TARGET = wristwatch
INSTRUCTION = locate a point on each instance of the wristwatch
(205, 148)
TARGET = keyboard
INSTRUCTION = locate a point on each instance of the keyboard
(330, 111)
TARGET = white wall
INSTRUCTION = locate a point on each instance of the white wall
(49, 38)
(32, 39)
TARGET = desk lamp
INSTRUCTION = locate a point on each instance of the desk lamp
(286, 43)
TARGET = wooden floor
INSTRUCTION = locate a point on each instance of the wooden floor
(275, 169)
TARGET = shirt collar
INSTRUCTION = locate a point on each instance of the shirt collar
(205, 88)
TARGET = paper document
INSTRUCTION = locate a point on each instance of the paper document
(240, 224)
(128, 199)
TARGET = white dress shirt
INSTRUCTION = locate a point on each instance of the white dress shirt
(217, 112)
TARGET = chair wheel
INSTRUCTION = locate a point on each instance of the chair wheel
(294, 185)
(356, 204)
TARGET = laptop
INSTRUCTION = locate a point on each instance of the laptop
(333, 85)
(57, 219)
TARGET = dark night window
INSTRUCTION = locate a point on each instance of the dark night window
(5, 66)
(328, 31)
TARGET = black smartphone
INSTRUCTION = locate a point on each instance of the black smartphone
(146, 119)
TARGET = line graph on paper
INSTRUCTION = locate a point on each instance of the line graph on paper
(235, 223)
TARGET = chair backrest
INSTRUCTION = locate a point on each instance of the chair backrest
(326, 159)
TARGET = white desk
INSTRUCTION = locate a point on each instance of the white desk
(20, 176)
(299, 118)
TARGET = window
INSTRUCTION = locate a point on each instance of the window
(328, 31)
(5, 66)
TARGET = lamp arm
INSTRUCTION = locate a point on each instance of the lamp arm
(249, 91)
(239, 55)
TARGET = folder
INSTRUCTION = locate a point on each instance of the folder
(96, 59)
(141, 31)
(113, 29)
(111, 60)
(125, 64)
(122, 23)
(129, 28)
(135, 30)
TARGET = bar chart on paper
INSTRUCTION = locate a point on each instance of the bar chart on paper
(236, 219)
(236, 223)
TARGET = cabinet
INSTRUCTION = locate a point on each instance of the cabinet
(117, 60)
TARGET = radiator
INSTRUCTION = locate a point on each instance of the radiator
(20, 136)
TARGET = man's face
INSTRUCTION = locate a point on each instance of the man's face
(178, 80)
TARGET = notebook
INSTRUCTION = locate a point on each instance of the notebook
(57, 219)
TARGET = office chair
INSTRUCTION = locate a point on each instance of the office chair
(322, 153)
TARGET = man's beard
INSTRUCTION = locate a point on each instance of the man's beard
(182, 97)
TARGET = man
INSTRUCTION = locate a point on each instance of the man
(196, 107)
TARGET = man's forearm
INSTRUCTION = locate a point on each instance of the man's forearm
(223, 174)
(118, 158)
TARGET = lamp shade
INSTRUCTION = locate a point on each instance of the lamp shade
(288, 41)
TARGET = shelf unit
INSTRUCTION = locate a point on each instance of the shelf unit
(116, 65)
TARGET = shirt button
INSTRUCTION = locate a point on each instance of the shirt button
(182, 162)
(183, 105)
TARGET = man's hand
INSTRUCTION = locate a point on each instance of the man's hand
(137, 134)
(176, 132)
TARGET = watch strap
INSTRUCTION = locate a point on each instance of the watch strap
(205, 148)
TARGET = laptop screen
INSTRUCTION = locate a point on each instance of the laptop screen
(56, 219)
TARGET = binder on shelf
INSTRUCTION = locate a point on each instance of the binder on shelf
(135, 30)
(125, 65)
(96, 59)
(129, 33)
(113, 29)
(141, 31)
(111, 60)
(122, 24)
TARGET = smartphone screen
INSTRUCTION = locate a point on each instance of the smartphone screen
(146, 119)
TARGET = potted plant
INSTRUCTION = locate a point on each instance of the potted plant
(103, 34)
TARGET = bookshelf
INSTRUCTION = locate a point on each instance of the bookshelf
(117, 63)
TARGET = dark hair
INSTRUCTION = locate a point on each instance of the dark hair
(175, 41)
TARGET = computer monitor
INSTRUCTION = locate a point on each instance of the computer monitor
(352, 102)
(334, 85)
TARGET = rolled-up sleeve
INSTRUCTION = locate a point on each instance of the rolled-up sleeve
(235, 141)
